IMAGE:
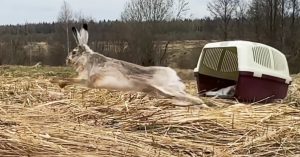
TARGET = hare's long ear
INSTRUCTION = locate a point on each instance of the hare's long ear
(76, 35)
(84, 35)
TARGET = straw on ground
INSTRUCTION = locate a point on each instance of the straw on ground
(40, 119)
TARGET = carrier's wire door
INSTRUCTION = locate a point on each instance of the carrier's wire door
(220, 63)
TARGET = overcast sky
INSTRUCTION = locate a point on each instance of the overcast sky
(33, 11)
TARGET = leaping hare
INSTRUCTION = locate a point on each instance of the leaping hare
(98, 71)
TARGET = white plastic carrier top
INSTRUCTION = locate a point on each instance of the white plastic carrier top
(257, 58)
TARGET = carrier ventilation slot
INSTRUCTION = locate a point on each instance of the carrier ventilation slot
(230, 62)
(261, 56)
(278, 62)
(212, 57)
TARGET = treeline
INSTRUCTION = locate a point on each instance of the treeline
(113, 38)
(273, 22)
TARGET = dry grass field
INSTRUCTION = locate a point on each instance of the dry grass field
(38, 118)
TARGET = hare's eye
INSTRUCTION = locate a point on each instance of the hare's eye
(73, 52)
(81, 48)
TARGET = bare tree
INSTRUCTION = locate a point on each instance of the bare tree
(65, 16)
(147, 10)
(223, 9)
(294, 11)
(144, 15)
(242, 8)
(154, 10)
(255, 16)
(292, 31)
(272, 9)
(283, 14)
(182, 7)
(80, 17)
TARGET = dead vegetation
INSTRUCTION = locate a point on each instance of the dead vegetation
(39, 119)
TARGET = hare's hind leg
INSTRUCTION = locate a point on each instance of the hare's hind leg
(153, 91)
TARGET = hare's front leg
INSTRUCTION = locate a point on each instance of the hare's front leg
(69, 81)
(93, 81)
